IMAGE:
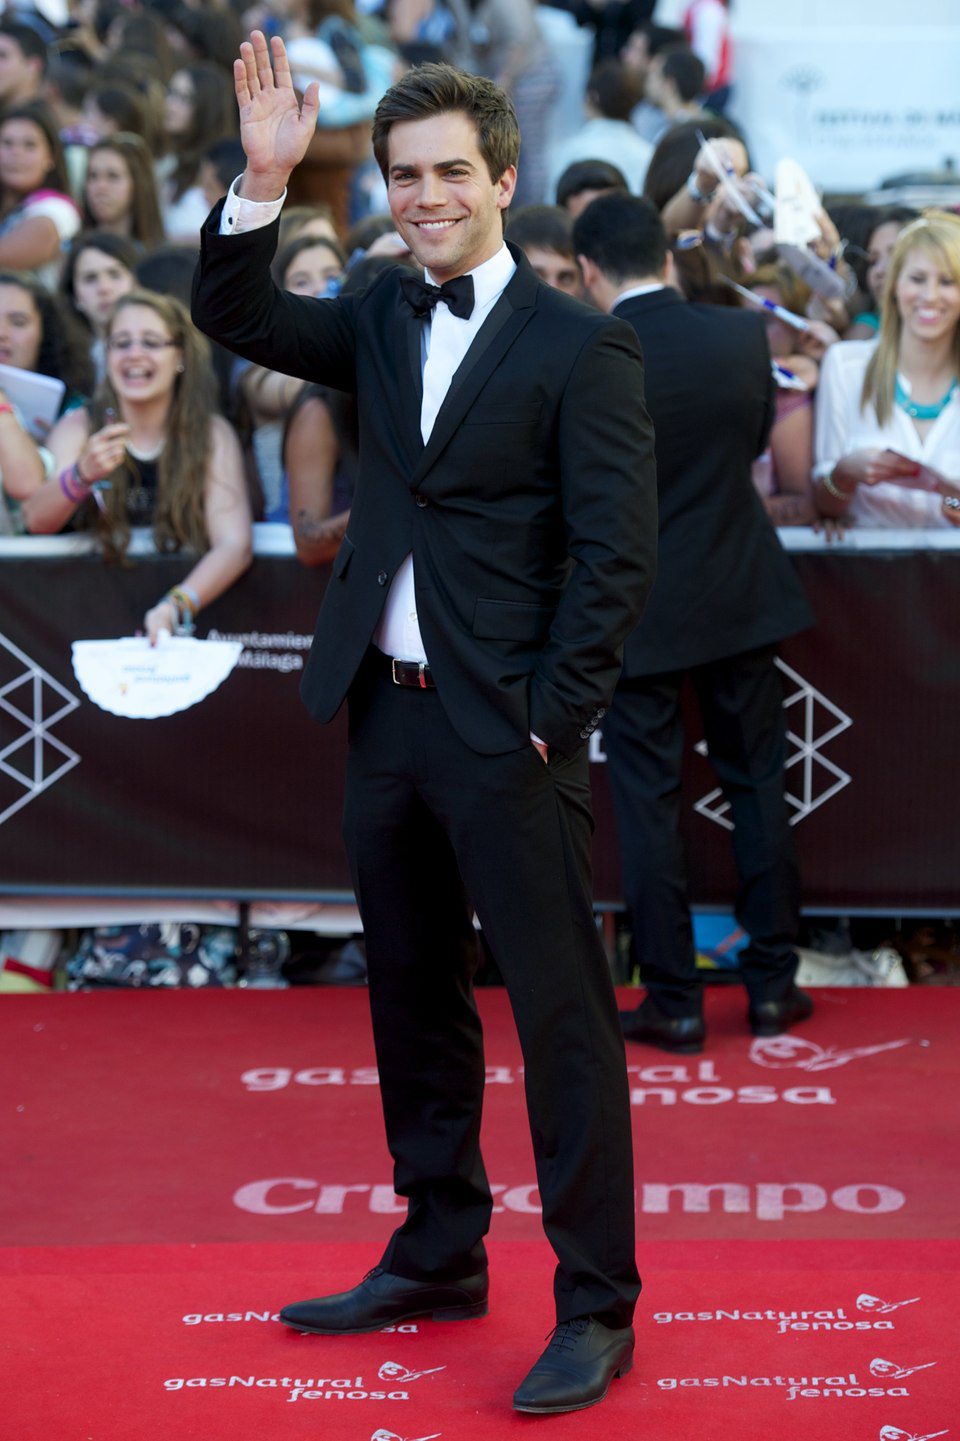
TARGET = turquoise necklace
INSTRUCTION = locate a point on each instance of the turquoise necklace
(922, 412)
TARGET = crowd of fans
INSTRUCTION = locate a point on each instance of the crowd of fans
(118, 132)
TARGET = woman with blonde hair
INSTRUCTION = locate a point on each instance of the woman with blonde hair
(150, 451)
(887, 436)
(120, 190)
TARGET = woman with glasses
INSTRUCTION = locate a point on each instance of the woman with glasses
(150, 451)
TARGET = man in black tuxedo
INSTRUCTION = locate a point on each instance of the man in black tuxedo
(726, 593)
(500, 548)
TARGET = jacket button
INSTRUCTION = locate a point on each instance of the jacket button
(382, 578)
(422, 501)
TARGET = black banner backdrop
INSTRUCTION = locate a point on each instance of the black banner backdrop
(240, 796)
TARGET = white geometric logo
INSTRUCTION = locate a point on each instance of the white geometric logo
(31, 703)
(811, 779)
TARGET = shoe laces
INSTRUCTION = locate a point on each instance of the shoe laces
(564, 1336)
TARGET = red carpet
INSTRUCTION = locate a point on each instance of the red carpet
(172, 1160)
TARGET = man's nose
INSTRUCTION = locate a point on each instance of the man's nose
(432, 191)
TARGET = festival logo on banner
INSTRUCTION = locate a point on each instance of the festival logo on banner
(32, 703)
(811, 778)
(833, 1318)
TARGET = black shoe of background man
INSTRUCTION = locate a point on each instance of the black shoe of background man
(381, 1299)
(771, 1018)
(684, 1035)
(581, 1359)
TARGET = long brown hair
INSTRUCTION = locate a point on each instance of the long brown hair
(40, 115)
(937, 232)
(145, 223)
(179, 518)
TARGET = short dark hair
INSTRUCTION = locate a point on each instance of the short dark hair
(589, 175)
(29, 41)
(118, 247)
(623, 235)
(660, 36)
(440, 89)
(613, 90)
(546, 226)
(685, 69)
(70, 70)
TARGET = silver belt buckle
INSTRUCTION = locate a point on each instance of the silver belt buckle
(421, 667)
(393, 672)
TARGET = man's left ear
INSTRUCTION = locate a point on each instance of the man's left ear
(589, 270)
(506, 185)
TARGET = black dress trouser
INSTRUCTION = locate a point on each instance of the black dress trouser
(428, 821)
(741, 705)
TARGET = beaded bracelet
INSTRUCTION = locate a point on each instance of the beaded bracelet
(74, 487)
(828, 484)
(181, 605)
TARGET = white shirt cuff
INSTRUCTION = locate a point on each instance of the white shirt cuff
(239, 214)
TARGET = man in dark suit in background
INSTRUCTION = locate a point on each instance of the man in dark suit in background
(726, 593)
(500, 548)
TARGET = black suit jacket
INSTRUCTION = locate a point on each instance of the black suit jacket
(531, 512)
(724, 582)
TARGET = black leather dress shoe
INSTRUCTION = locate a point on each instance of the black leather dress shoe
(683, 1035)
(576, 1369)
(770, 1018)
(381, 1299)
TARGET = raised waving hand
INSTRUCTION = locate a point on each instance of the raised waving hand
(275, 129)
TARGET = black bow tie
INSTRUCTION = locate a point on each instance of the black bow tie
(456, 294)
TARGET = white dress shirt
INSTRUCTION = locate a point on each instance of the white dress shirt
(446, 340)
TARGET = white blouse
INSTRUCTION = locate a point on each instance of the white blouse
(842, 427)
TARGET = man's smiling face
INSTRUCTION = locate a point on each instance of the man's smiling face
(442, 198)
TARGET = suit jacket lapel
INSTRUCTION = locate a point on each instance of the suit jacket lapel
(494, 338)
(410, 373)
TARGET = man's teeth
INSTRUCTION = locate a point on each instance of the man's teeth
(436, 224)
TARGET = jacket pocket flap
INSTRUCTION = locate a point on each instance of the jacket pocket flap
(343, 556)
(511, 620)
